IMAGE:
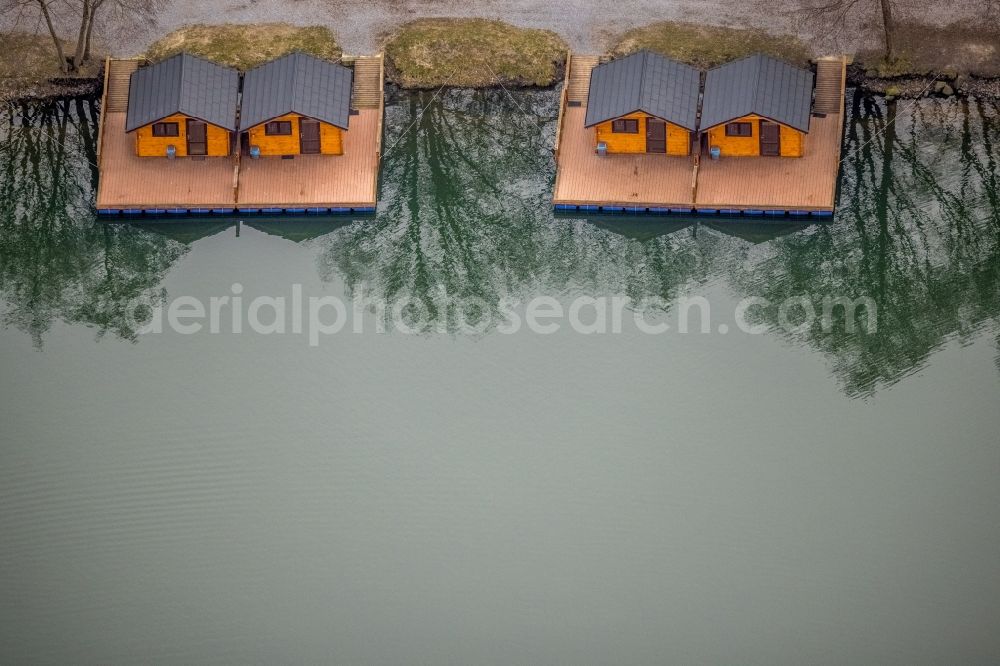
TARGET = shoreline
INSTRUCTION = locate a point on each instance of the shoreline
(900, 87)
(51, 90)
(914, 86)
(933, 34)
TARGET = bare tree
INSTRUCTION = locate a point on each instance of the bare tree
(843, 15)
(991, 12)
(43, 10)
(82, 15)
(117, 11)
(888, 29)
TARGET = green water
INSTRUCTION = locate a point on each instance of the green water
(794, 496)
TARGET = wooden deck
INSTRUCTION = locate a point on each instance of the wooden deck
(307, 183)
(660, 183)
(133, 183)
(316, 181)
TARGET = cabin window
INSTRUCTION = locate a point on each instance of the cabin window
(166, 129)
(739, 129)
(625, 126)
(278, 128)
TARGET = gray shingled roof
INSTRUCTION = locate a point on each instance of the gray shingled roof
(297, 83)
(183, 84)
(644, 81)
(760, 85)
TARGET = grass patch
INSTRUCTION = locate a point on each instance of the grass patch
(28, 58)
(959, 48)
(246, 46)
(473, 53)
(707, 46)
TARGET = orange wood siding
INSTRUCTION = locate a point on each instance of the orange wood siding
(620, 142)
(678, 138)
(792, 140)
(147, 145)
(274, 144)
(331, 138)
(737, 146)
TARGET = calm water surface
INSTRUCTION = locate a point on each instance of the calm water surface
(444, 498)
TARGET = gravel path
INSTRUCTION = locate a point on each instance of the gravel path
(359, 25)
(587, 25)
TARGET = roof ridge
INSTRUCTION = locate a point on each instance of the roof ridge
(757, 93)
(297, 79)
(642, 74)
(182, 100)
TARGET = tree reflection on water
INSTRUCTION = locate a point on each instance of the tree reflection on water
(56, 262)
(918, 231)
(465, 213)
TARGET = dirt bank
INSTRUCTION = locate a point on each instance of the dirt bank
(42, 91)
(587, 26)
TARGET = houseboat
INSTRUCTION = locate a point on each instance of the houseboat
(165, 137)
(754, 137)
(770, 138)
(310, 136)
(178, 138)
(625, 134)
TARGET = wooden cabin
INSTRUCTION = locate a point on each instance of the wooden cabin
(643, 103)
(184, 106)
(296, 105)
(757, 106)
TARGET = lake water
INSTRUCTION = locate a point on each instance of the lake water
(780, 496)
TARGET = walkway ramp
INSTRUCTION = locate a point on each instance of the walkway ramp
(114, 97)
(831, 81)
(368, 82)
(578, 84)
(116, 84)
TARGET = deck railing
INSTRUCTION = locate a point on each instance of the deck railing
(381, 119)
(563, 98)
(104, 102)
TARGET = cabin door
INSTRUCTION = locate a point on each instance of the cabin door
(770, 138)
(656, 136)
(197, 137)
(308, 136)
